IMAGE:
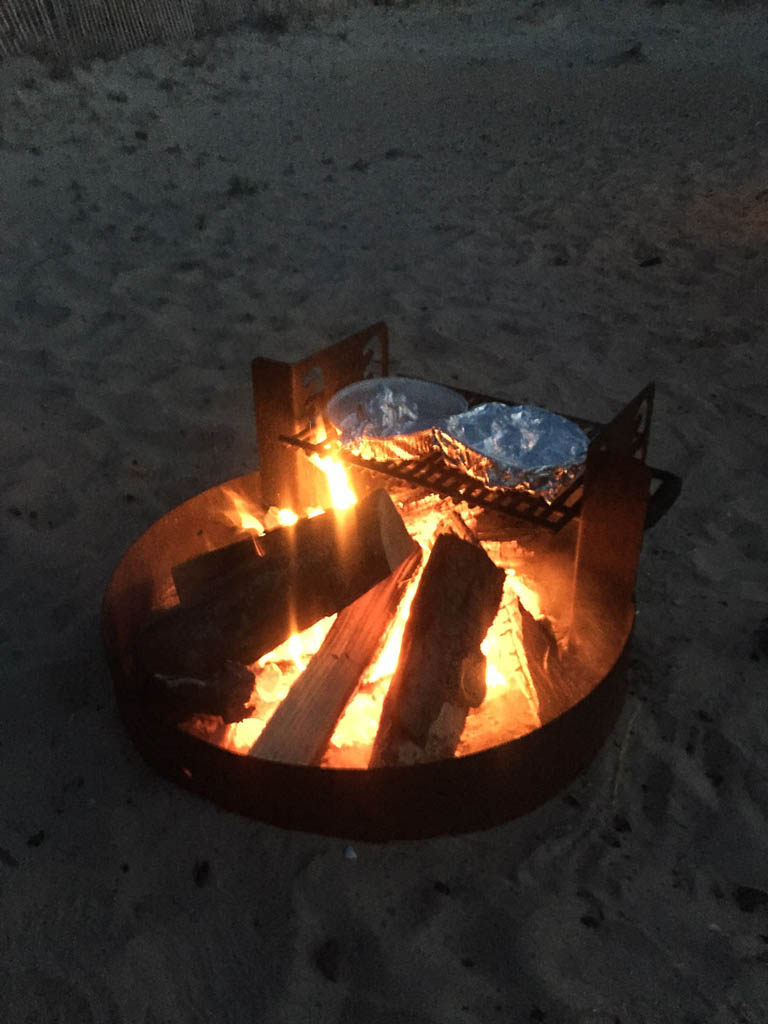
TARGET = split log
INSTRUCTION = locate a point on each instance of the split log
(302, 726)
(441, 671)
(310, 570)
(225, 694)
(545, 668)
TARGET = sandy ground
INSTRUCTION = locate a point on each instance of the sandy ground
(556, 202)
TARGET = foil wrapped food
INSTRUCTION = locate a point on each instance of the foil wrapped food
(392, 417)
(519, 446)
(503, 446)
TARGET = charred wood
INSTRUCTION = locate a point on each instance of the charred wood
(197, 577)
(310, 570)
(225, 694)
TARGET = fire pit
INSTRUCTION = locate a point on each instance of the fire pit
(476, 660)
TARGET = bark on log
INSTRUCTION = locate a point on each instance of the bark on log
(178, 698)
(311, 570)
(441, 670)
(302, 726)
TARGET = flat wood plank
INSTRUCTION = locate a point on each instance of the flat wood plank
(302, 726)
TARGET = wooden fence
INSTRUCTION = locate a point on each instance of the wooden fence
(80, 29)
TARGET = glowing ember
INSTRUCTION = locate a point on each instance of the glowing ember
(494, 679)
(286, 517)
(241, 736)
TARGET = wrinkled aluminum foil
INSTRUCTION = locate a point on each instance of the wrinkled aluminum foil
(518, 446)
(390, 424)
(392, 408)
(397, 447)
(501, 445)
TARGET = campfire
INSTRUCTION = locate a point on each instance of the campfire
(493, 698)
(292, 642)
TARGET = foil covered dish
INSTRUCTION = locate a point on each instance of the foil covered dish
(503, 446)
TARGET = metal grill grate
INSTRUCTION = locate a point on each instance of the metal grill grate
(290, 401)
(627, 432)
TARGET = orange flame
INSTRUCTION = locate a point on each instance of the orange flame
(342, 495)
(286, 517)
(275, 673)
(242, 513)
(356, 728)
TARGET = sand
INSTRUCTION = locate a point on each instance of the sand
(554, 202)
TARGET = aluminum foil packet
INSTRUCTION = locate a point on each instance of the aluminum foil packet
(519, 446)
(503, 446)
(392, 418)
(392, 413)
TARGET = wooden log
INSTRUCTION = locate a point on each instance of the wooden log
(554, 686)
(310, 570)
(195, 578)
(302, 726)
(225, 694)
(441, 670)
(211, 728)
(371, 529)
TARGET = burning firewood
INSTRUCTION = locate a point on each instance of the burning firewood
(545, 668)
(225, 694)
(441, 670)
(452, 522)
(302, 726)
(195, 578)
(310, 570)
